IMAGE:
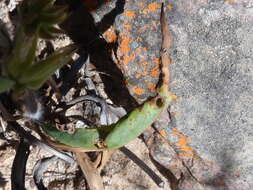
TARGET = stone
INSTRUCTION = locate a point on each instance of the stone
(211, 76)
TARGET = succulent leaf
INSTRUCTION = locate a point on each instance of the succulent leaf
(22, 54)
(53, 12)
(39, 15)
(116, 135)
(5, 84)
(45, 34)
(49, 20)
(38, 73)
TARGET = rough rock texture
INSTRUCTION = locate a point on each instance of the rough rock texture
(211, 76)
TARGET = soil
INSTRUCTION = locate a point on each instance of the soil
(120, 172)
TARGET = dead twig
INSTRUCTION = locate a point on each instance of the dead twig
(90, 172)
(166, 45)
(98, 160)
(106, 155)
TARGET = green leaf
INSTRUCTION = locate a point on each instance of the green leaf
(116, 135)
(5, 84)
(49, 32)
(49, 19)
(54, 11)
(85, 138)
(22, 55)
(37, 14)
(45, 34)
(39, 72)
(35, 6)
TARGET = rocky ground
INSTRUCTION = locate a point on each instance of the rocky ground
(209, 136)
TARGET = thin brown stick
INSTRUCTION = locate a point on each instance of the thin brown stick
(90, 172)
(166, 44)
(98, 160)
(107, 154)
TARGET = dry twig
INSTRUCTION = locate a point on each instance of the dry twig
(91, 174)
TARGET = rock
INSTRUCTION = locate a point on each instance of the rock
(137, 32)
(211, 76)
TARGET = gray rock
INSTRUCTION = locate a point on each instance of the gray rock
(212, 76)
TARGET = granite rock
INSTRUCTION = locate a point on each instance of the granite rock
(211, 76)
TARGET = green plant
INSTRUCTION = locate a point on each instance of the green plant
(20, 71)
(130, 126)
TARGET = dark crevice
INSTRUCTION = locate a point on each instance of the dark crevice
(83, 30)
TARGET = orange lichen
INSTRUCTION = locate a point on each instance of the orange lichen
(221, 182)
(230, 1)
(124, 45)
(145, 73)
(163, 133)
(174, 97)
(128, 58)
(127, 26)
(138, 90)
(155, 72)
(153, 6)
(144, 63)
(152, 87)
(156, 60)
(138, 75)
(129, 14)
(182, 143)
(127, 83)
(187, 154)
(169, 7)
(145, 11)
(110, 35)
(141, 4)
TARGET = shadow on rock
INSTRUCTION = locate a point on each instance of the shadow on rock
(220, 180)
(83, 30)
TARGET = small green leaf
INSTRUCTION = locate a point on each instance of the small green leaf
(54, 11)
(53, 15)
(22, 54)
(54, 30)
(39, 72)
(49, 32)
(5, 84)
(45, 34)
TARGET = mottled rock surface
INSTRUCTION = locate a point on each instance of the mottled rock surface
(211, 76)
